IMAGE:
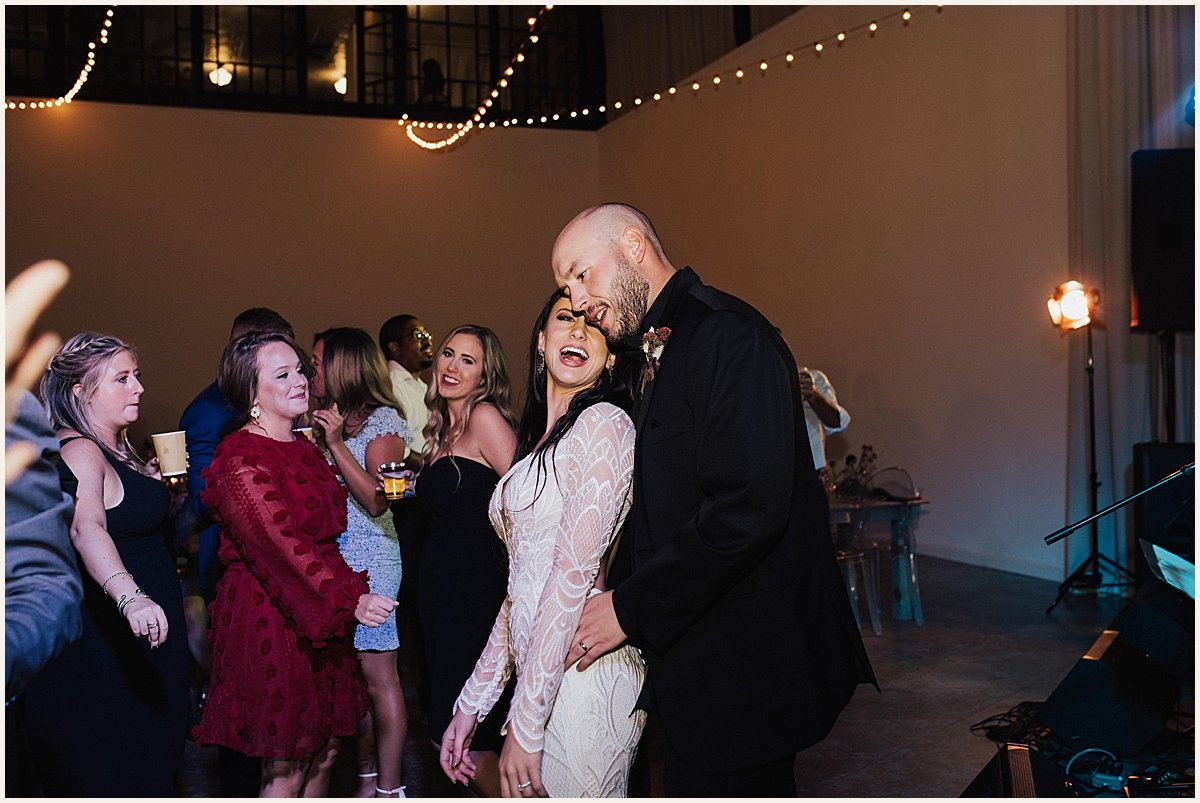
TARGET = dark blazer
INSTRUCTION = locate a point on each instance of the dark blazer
(735, 597)
(207, 420)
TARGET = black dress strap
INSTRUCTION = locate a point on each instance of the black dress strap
(69, 438)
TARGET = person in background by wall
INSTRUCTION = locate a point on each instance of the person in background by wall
(361, 426)
(823, 416)
(206, 420)
(408, 347)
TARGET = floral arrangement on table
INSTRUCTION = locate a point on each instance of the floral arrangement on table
(852, 478)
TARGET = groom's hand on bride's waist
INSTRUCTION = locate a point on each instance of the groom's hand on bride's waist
(598, 632)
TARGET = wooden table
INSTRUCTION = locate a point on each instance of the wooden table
(859, 512)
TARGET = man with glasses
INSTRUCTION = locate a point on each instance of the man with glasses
(408, 347)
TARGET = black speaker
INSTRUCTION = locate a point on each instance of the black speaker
(1163, 241)
(1165, 515)
(1018, 771)
(1120, 694)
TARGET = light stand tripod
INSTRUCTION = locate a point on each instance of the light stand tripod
(1087, 575)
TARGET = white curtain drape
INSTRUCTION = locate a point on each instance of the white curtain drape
(1131, 70)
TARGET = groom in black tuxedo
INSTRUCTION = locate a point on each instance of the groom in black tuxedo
(733, 594)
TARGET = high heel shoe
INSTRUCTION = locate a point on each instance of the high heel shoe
(398, 791)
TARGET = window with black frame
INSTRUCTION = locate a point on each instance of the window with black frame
(430, 62)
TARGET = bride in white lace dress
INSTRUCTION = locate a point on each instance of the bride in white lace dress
(568, 734)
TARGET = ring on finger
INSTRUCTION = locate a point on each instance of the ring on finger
(525, 785)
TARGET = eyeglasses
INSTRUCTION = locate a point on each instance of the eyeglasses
(421, 335)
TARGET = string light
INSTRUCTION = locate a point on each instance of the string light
(814, 48)
(84, 74)
(477, 123)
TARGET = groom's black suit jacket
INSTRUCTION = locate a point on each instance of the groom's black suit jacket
(733, 591)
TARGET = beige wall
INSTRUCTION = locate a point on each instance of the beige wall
(174, 220)
(898, 207)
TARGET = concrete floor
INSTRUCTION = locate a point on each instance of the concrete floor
(987, 644)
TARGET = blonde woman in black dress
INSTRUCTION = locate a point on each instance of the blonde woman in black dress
(109, 717)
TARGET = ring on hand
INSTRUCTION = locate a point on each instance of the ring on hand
(583, 646)
(525, 785)
(152, 624)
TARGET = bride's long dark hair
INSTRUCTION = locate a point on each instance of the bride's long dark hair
(615, 387)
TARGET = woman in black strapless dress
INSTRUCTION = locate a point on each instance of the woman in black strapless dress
(109, 717)
(470, 443)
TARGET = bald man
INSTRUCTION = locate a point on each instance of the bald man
(726, 577)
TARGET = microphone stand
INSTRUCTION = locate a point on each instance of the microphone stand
(1058, 535)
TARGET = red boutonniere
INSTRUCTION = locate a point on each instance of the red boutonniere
(653, 343)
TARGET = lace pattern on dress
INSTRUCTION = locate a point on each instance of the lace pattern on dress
(557, 527)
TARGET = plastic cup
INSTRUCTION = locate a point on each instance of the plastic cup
(393, 480)
(306, 432)
(171, 448)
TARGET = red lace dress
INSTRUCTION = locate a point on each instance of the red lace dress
(284, 674)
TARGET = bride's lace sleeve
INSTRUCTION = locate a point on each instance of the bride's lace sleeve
(595, 488)
(483, 688)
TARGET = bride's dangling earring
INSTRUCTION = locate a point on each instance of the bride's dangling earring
(539, 363)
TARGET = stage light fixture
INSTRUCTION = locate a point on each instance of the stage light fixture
(1071, 308)
(1071, 305)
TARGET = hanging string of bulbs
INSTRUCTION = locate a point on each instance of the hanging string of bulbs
(458, 131)
(461, 130)
(100, 40)
(812, 49)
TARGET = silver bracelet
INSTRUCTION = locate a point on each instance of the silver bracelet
(123, 603)
(104, 587)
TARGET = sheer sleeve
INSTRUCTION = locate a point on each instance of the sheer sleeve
(315, 589)
(595, 488)
(492, 670)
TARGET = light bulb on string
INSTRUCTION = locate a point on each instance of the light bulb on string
(818, 46)
(81, 79)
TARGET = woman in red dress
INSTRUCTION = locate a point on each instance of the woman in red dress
(285, 681)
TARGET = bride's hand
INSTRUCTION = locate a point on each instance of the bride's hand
(520, 771)
(455, 760)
